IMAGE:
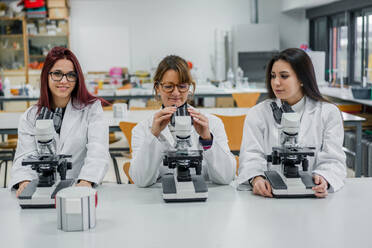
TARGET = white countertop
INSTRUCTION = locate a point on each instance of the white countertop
(344, 94)
(128, 216)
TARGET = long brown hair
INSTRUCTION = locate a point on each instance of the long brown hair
(304, 69)
(176, 63)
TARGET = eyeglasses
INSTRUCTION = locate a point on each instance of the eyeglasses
(168, 87)
(58, 75)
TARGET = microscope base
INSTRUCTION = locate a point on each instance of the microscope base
(41, 197)
(174, 191)
(291, 187)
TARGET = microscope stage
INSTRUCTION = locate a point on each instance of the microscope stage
(41, 197)
(290, 187)
(174, 191)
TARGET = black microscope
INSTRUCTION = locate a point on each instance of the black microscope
(291, 183)
(40, 193)
(181, 186)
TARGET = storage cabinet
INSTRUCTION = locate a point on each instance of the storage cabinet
(24, 43)
(42, 36)
(12, 44)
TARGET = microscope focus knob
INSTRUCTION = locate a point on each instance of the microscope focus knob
(275, 157)
(305, 164)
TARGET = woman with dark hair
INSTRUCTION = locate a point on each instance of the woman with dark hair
(290, 79)
(150, 138)
(81, 130)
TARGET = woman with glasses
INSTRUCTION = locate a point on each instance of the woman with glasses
(150, 138)
(81, 130)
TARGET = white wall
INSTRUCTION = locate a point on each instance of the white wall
(139, 33)
(293, 26)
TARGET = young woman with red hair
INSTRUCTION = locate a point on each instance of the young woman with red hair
(81, 129)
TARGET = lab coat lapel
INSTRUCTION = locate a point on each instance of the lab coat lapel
(70, 120)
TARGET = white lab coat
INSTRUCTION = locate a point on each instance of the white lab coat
(84, 135)
(218, 165)
(321, 126)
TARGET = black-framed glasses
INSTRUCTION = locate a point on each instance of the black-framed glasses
(169, 87)
(58, 75)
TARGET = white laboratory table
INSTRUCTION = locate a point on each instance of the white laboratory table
(128, 216)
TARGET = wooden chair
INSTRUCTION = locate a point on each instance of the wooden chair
(126, 128)
(246, 100)
(237, 165)
(7, 151)
(10, 143)
(234, 131)
(113, 138)
(126, 171)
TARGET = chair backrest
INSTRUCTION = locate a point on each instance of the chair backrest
(234, 130)
(126, 128)
(246, 100)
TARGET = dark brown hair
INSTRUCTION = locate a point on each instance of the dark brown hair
(304, 69)
(176, 63)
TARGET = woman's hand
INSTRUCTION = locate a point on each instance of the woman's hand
(201, 124)
(83, 183)
(21, 186)
(161, 120)
(321, 186)
(261, 187)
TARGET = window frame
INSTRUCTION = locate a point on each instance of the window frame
(350, 9)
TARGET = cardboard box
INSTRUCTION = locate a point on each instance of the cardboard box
(58, 13)
(57, 3)
(224, 102)
(62, 27)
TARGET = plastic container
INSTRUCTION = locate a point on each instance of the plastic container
(76, 209)
(361, 93)
(6, 87)
(230, 76)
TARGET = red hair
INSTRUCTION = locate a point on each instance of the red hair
(80, 96)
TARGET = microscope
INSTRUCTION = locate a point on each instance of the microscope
(181, 186)
(291, 183)
(41, 192)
